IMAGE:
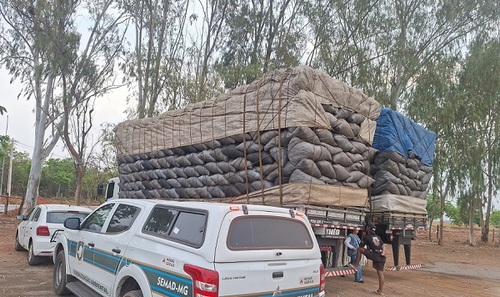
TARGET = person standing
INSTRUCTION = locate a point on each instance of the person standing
(374, 251)
(352, 242)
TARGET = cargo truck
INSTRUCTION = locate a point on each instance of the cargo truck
(295, 138)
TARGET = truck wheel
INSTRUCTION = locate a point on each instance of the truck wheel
(59, 280)
(32, 259)
(18, 246)
(135, 293)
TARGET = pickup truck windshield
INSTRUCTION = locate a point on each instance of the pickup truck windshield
(262, 232)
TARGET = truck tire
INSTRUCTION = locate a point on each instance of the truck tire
(59, 279)
(32, 259)
(18, 246)
(135, 293)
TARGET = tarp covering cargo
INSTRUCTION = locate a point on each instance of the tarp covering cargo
(301, 194)
(295, 136)
(284, 98)
(395, 132)
(398, 203)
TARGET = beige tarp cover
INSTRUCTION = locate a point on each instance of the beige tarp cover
(301, 193)
(398, 203)
(284, 98)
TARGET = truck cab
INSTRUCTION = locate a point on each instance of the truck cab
(112, 188)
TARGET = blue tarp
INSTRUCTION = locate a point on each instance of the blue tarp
(395, 132)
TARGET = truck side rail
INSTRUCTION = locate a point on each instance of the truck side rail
(400, 220)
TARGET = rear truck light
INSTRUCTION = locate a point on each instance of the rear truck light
(234, 208)
(205, 281)
(322, 278)
(42, 231)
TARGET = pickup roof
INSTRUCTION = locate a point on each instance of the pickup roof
(134, 247)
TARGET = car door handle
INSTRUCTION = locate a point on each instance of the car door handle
(91, 244)
(116, 250)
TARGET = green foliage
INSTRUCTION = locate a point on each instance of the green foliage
(21, 165)
(454, 214)
(259, 36)
(433, 207)
(495, 218)
(58, 178)
(5, 144)
(459, 215)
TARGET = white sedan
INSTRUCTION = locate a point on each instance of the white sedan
(36, 228)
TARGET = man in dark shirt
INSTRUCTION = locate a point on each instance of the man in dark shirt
(374, 251)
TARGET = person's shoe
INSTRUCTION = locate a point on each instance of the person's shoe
(360, 281)
(354, 267)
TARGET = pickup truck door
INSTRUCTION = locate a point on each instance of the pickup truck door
(109, 246)
(81, 249)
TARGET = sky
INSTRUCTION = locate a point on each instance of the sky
(21, 118)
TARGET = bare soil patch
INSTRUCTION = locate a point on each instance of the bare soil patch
(452, 269)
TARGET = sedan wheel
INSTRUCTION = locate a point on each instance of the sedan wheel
(18, 246)
(32, 259)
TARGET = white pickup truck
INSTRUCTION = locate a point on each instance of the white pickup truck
(130, 247)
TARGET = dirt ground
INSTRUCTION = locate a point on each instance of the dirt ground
(453, 269)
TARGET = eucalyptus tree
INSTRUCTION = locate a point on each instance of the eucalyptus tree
(87, 63)
(460, 100)
(433, 208)
(435, 105)
(155, 65)
(204, 34)
(348, 40)
(383, 46)
(26, 51)
(479, 85)
(41, 46)
(260, 36)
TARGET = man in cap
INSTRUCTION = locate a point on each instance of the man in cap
(375, 251)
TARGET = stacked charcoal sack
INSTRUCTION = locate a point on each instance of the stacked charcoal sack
(293, 130)
(402, 168)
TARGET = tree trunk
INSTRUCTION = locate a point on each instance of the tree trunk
(39, 153)
(486, 228)
(79, 181)
(441, 219)
(430, 231)
(471, 225)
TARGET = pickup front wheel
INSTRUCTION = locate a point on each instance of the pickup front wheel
(59, 280)
(32, 259)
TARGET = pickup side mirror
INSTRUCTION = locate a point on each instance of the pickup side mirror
(72, 223)
(20, 217)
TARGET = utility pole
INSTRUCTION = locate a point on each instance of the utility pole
(3, 159)
(9, 176)
(3, 163)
